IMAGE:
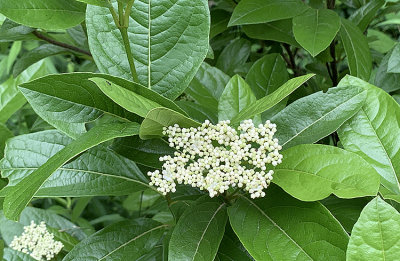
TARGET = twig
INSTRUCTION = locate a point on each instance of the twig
(291, 57)
(64, 45)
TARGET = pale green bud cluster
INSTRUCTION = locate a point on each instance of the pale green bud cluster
(37, 242)
(216, 157)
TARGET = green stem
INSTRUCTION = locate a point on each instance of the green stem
(124, 33)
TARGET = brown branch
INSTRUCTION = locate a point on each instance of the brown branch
(291, 59)
(64, 45)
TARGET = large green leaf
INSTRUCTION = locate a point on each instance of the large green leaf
(374, 133)
(374, 236)
(125, 240)
(231, 249)
(234, 56)
(271, 100)
(49, 14)
(169, 41)
(236, 96)
(111, 175)
(313, 117)
(357, 50)
(312, 172)
(11, 31)
(158, 118)
(19, 196)
(365, 14)
(279, 227)
(14, 255)
(5, 134)
(263, 11)
(199, 231)
(315, 29)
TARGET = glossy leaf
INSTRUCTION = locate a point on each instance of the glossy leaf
(312, 172)
(49, 14)
(314, 117)
(110, 175)
(165, 66)
(374, 133)
(278, 227)
(269, 101)
(357, 50)
(373, 236)
(315, 29)
(20, 195)
(263, 11)
(199, 231)
(231, 249)
(234, 55)
(363, 16)
(5, 134)
(125, 240)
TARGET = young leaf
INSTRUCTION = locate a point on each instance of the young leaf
(271, 100)
(374, 133)
(19, 196)
(165, 66)
(357, 50)
(125, 240)
(158, 118)
(234, 55)
(315, 29)
(236, 96)
(111, 175)
(314, 117)
(49, 14)
(199, 231)
(5, 134)
(279, 227)
(263, 11)
(312, 172)
(374, 235)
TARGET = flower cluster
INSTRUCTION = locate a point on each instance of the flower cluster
(216, 157)
(37, 242)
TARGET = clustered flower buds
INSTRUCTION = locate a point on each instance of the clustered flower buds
(37, 242)
(216, 157)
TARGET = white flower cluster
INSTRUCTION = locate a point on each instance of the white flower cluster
(216, 157)
(37, 242)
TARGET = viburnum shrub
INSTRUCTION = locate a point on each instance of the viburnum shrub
(199, 130)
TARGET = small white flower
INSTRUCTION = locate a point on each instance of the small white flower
(216, 157)
(37, 242)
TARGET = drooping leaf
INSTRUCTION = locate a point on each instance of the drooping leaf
(110, 175)
(374, 133)
(125, 240)
(5, 134)
(279, 227)
(271, 100)
(49, 14)
(373, 236)
(312, 172)
(315, 29)
(234, 55)
(263, 11)
(357, 50)
(363, 16)
(19, 196)
(158, 118)
(199, 231)
(314, 117)
(165, 66)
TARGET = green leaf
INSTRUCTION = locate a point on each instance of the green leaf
(234, 55)
(165, 66)
(357, 50)
(279, 227)
(14, 255)
(271, 100)
(1, 249)
(315, 116)
(374, 133)
(374, 235)
(380, 41)
(49, 14)
(20, 195)
(158, 118)
(111, 175)
(11, 31)
(394, 60)
(103, 3)
(315, 29)
(236, 96)
(312, 172)
(219, 22)
(199, 231)
(125, 240)
(363, 16)
(231, 249)
(384, 78)
(263, 11)
(198, 112)
(36, 55)
(69, 101)
(5, 134)
(280, 31)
